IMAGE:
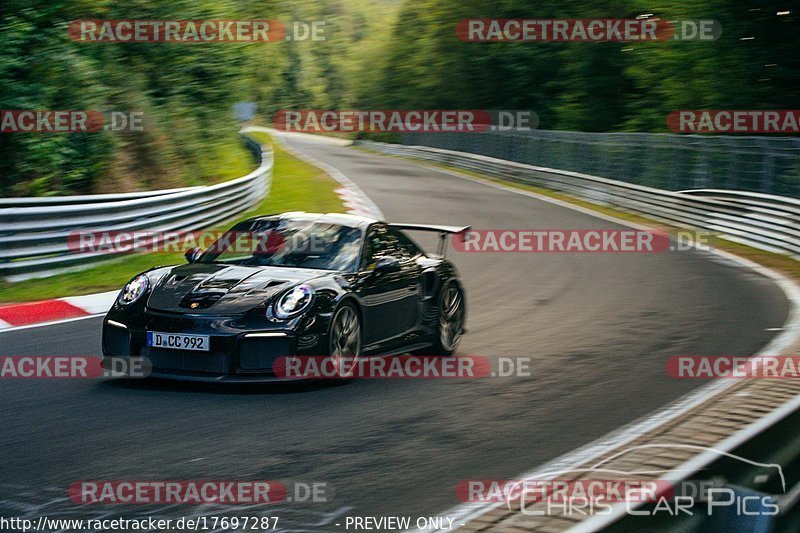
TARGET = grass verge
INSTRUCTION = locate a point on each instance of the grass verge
(296, 186)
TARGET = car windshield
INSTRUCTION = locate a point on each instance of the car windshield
(288, 243)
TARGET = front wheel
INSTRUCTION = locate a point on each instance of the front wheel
(345, 340)
(452, 314)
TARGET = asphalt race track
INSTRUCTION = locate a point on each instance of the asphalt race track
(599, 327)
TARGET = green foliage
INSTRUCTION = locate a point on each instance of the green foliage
(377, 54)
(185, 91)
(589, 86)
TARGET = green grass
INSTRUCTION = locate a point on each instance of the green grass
(296, 186)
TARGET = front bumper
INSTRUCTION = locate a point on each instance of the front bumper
(234, 355)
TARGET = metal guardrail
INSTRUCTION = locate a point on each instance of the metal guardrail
(769, 165)
(775, 446)
(34, 232)
(764, 221)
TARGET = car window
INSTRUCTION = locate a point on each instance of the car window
(383, 241)
(408, 245)
(289, 243)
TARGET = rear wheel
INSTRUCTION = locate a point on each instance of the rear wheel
(345, 339)
(452, 314)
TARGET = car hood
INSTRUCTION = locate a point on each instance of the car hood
(219, 289)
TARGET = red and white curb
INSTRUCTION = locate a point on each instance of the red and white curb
(354, 202)
(18, 316)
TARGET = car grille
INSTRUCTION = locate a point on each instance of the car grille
(162, 358)
(260, 354)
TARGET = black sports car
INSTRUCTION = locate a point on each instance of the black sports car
(292, 285)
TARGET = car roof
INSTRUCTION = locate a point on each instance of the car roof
(342, 219)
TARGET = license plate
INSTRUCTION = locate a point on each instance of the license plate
(178, 341)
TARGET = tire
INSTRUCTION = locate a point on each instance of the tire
(452, 316)
(344, 338)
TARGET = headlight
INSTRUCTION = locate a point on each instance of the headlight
(134, 290)
(294, 301)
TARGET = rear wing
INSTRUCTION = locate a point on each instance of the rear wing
(443, 232)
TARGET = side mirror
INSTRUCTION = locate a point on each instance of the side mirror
(387, 264)
(192, 254)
